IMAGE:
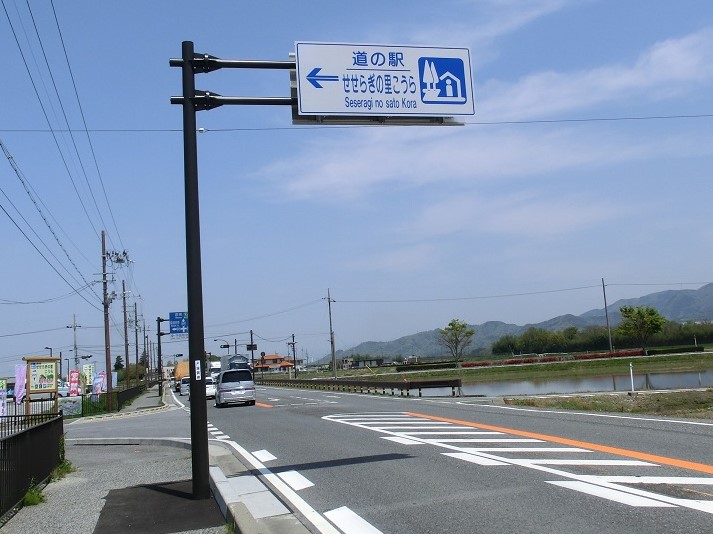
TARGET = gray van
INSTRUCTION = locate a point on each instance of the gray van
(235, 386)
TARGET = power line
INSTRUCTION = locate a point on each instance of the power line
(86, 130)
(23, 180)
(44, 112)
(43, 301)
(342, 127)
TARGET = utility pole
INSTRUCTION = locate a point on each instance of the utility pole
(294, 358)
(331, 336)
(136, 343)
(74, 327)
(252, 350)
(107, 342)
(126, 333)
(606, 314)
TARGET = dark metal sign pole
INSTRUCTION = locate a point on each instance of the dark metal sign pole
(193, 101)
(196, 348)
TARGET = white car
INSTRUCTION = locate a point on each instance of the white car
(235, 386)
(209, 388)
(185, 386)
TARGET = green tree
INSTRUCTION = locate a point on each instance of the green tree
(640, 323)
(118, 363)
(456, 337)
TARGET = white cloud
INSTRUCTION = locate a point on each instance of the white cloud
(483, 22)
(519, 215)
(668, 68)
(351, 164)
(405, 259)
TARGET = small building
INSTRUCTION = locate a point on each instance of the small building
(274, 363)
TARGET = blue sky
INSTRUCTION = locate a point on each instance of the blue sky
(515, 216)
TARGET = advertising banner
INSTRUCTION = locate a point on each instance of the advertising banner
(73, 382)
(20, 379)
(3, 397)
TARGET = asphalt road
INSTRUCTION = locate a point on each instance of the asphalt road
(405, 465)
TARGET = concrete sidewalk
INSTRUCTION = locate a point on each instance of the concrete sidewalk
(133, 476)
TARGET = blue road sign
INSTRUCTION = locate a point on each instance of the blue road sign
(383, 80)
(178, 322)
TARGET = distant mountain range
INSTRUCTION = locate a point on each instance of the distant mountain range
(676, 305)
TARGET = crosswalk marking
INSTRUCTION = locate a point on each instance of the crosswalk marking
(502, 449)
(349, 522)
(402, 440)
(590, 462)
(472, 458)
(295, 480)
(610, 494)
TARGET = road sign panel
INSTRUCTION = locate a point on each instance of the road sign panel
(383, 80)
(178, 322)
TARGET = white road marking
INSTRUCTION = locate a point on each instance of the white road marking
(610, 488)
(524, 449)
(286, 492)
(264, 456)
(658, 480)
(483, 440)
(589, 462)
(610, 494)
(472, 458)
(349, 522)
(453, 432)
(402, 440)
(569, 412)
(410, 427)
(295, 480)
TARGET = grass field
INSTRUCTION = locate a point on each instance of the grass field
(696, 404)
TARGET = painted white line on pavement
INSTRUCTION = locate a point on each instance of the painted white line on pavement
(480, 460)
(569, 412)
(655, 480)
(295, 480)
(589, 462)
(610, 494)
(350, 523)
(402, 441)
(453, 432)
(286, 492)
(264, 456)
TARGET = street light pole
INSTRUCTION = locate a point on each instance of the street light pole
(159, 320)
(60, 361)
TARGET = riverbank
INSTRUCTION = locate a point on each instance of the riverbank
(696, 404)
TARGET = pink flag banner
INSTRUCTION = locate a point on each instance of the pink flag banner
(20, 380)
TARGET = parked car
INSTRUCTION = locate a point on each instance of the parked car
(209, 387)
(185, 386)
(235, 386)
(63, 390)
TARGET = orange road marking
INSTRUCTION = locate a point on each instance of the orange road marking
(683, 464)
(263, 405)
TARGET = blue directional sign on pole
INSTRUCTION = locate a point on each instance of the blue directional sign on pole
(383, 80)
(178, 322)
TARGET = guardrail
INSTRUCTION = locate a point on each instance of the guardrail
(404, 387)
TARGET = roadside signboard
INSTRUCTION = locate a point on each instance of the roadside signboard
(383, 80)
(43, 377)
(178, 322)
